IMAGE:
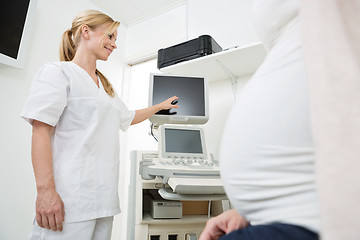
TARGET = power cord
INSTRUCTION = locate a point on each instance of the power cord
(151, 132)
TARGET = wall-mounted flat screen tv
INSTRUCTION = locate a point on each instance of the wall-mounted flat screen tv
(16, 18)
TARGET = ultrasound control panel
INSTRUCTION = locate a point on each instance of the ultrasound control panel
(189, 162)
(152, 166)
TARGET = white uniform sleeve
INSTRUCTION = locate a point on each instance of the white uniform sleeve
(126, 116)
(48, 95)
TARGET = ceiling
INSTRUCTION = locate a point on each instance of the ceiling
(131, 11)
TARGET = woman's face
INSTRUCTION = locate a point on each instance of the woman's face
(102, 45)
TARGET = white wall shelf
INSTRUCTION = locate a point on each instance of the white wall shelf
(228, 64)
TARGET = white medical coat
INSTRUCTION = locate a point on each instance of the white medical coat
(85, 144)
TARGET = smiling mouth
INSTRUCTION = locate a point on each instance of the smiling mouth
(109, 50)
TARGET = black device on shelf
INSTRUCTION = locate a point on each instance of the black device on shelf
(201, 46)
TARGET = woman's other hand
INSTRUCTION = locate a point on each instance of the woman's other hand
(223, 224)
(50, 211)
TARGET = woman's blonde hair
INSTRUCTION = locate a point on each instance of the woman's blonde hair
(71, 38)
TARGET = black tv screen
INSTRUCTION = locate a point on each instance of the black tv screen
(12, 16)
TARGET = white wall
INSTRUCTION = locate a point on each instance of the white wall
(227, 21)
(16, 176)
(163, 30)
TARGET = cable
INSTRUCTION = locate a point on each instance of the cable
(209, 207)
(151, 131)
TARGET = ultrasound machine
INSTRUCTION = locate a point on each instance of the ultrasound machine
(182, 163)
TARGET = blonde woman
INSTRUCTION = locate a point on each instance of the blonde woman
(75, 115)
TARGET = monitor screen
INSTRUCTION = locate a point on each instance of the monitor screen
(16, 16)
(192, 102)
(183, 141)
(14, 13)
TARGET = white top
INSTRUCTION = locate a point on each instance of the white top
(267, 153)
(85, 144)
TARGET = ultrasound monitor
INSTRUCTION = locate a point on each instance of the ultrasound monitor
(182, 142)
(192, 102)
